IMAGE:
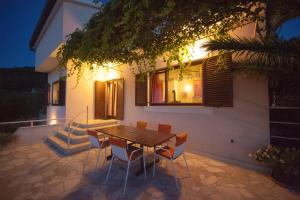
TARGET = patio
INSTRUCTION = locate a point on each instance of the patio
(37, 172)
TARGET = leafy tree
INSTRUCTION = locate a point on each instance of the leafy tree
(139, 31)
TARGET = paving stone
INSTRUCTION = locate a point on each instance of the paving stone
(245, 193)
(216, 197)
(33, 179)
(210, 180)
(215, 170)
(36, 172)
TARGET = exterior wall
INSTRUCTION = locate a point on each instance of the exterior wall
(50, 40)
(80, 96)
(231, 133)
(211, 129)
(76, 15)
(64, 19)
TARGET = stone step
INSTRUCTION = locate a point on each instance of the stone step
(96, 123)
(62, 146)
(74, 139)
(76, 130)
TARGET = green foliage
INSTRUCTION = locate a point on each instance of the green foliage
(135, 31)
(267, 55)
(285, 159)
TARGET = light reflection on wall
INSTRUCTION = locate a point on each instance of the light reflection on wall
(196, 50)
(55, 112)
(108, 72)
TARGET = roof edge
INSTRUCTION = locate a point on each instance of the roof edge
(48, 7)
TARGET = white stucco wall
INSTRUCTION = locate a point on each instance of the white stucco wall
(76, 15)
(65, 17)
(210, 129)
(49, 39)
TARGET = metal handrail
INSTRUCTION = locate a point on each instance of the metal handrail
(71, 122)
(31, 121)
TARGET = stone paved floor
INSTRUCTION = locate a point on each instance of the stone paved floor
(37, 172)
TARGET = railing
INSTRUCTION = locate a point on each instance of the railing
(70, 123)
(31, 122)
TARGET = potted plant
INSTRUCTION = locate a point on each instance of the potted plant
(284, 162)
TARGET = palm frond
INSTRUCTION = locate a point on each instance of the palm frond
(265, 54)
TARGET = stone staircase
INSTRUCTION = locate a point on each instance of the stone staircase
(78, 136)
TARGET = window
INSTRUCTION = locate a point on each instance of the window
(159, 87)
(168, 89)
(187, 90)
(59, 92)
(55, 93)
(205, 83)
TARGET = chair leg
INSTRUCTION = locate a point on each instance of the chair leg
(154, 161)
(187, 167)
(144, 163)
(127, 172)
(104, 160)
(86, 160)
(175, 177)
(98, 158)
(107, 176)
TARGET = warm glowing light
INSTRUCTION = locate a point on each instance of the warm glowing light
(187, 88)
(108, 72)
(196, 50)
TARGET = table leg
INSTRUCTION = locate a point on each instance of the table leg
(148, 165)
(110, 156)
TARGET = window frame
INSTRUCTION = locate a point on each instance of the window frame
(166, 72)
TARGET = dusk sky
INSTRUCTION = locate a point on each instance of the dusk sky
(19, 17)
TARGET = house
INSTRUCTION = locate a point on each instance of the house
(226, 116)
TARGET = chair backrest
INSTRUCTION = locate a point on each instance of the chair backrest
(141, 124)
(180, 143)
(118, 148)
(93, 138)
(165, 128)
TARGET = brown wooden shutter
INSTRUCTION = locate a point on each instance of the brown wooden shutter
(120, 99)
(218, 84)
(62, 92)
(140, 91)
(100, 90)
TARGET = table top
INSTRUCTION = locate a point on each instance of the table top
(144, 137)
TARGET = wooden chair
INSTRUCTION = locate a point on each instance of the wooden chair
(141, 124)
(129, 155)
(171, 153)
(96, 142)
(165, 128)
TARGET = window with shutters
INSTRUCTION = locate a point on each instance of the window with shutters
(205, 82)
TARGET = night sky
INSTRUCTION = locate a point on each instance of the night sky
(19, 17)
(17, 21)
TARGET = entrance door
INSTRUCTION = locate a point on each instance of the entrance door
(109, 99)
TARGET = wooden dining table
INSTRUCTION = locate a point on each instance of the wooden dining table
(149, 138)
